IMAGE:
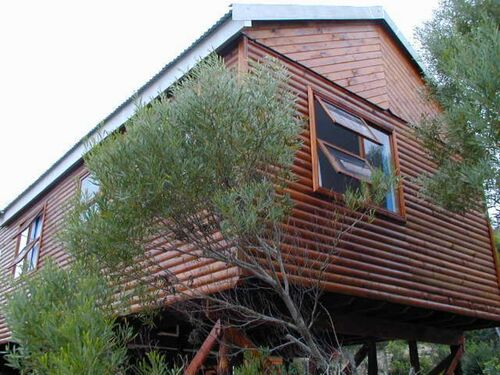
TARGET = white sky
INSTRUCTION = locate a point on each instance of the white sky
(65, 65)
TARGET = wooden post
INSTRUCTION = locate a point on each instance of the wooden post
(450, 365)
(457, 352)
(372, 358)
(204, 351)
(358, 358)
(222, 359)
(414, 360)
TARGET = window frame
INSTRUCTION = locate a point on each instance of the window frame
(27, 223)
(399, 216)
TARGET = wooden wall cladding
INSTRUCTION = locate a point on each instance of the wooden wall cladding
(358, 55)
(434, 259)
(206, 276)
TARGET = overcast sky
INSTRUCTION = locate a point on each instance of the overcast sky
(65, 65)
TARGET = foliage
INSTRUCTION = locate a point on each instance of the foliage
(61, 324)
(461, 47)
(154, 364)
(481, 357)
(205, 150)
(496, 237)
(398, 362)
(212, 159)
(257, 363)
(482, 353)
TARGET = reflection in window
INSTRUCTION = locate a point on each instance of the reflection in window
(380, 156)
(88, 188)
(28, 247)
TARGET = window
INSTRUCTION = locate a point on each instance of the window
(346, 149)
(88, 188)
(28, 246)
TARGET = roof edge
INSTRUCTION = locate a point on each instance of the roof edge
(221, 33)
(217, 36)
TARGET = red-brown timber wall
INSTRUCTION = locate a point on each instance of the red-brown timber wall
(433, 259)
(361, 56)
(204, 275)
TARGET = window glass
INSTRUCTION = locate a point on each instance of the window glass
(350, 165)
(36, 228)
(349, 121)
(348, 150)
(28, 247)
(331, 179)
(19, 268)
(23, 238)
(32, 257)
(380, 156)
(89, 188)
(334, 134)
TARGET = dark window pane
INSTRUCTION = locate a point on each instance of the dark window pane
(331, 180)
(32, 257)
(335, 134)
(354, 123)
(36, 228)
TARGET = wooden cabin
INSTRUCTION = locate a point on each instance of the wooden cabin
(417, 272)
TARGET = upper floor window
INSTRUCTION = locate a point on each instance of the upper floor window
(88, 188)
(28, 246)
(346, 150)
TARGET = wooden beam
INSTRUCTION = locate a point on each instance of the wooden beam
(238, 338)
(414, 360)
(358, 358)
(457, 352)
(441, 366)
(372, 358)
(389, 330)
(222, 358)
(204, 350)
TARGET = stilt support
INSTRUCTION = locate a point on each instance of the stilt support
(358, 358)
(204, 351)
(414, 360)
(451, 364)
(372, 358)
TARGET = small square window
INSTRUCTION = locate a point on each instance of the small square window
(346, 150)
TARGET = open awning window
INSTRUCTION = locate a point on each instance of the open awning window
(349, 121)
(347, 164)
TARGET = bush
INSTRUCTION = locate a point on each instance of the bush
(62, 324)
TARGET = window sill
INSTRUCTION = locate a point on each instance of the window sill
(379, 211)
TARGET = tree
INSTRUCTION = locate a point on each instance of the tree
(461, 48)
(200, 175)
(62, 323)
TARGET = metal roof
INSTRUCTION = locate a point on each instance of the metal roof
(223, 31)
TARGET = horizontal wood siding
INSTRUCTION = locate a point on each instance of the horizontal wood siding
(358, 55)
(435, 259)
(54, 203)
(206, 276)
